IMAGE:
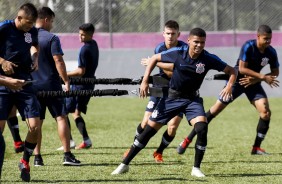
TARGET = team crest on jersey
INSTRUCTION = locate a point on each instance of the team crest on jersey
(27, 38)
(155, 113)
(150, 104)
(200, 68)
(264, 61)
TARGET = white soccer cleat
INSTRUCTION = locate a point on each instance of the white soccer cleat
(122, 168)
(72, 146)
(197, 172)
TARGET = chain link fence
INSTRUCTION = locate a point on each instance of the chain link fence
(150, 15)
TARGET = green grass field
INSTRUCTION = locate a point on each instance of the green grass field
(111, 124)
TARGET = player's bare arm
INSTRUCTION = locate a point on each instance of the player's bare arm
(226, 93)
(253, 77)
(34, 51)
(145, 82)
(61, 68)
(167, 67)
(13, 84)
(271, 78)
(78, 72)
(7, 66)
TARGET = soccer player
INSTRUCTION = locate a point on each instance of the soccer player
(51, 68)
(87, 65)
(254, 55)
(171, 34)
(17, 39)
(189, 65)
(16, 85)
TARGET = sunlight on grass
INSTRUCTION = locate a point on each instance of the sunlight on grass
(111, 124)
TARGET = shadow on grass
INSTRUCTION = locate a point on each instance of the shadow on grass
(242, 175)
(174, 179)
(136, 164)
(147, 147)
(244, 161)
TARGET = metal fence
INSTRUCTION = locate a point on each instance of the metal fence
(113, 16)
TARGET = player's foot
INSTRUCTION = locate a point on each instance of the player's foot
(19, 146)
(38, 161)
(183, 146)
(84, 145)
(122, 168)
(25, 170)
(71, 160)
(72, 146)
(197, 172)
(125, 154)
(258, 151)
(158, 157)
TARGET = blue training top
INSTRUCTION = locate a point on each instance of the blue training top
(188, 74)
(88, 58)
(47, 76)
(256, 60)
(15, 47)
(162, 47)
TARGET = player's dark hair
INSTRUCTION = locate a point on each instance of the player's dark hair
(264, 29)
(45, 12)
(172, 24)
(198, 32)
(87, 27)
(29, 10)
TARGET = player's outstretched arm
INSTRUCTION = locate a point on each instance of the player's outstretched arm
(145, 82)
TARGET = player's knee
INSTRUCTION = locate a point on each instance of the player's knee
(266, 114)
(144, 123)
(201, 127)
(34, 131)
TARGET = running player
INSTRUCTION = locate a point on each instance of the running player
(189, 65)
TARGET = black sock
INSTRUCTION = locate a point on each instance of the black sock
(139, 143)
(201, 143)
(38, 156)
(193, 133)
(14, 128)
(166, 140)
(80, 124)
(2, 152)
(209, 116)
(139, 130)
(262, 129)
(68, 121)
(67, 154)
(28, 150)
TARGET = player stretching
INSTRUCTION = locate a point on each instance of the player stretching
(254, 55)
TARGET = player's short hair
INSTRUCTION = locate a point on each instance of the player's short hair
(172, 24)
(29, 10)
(198, 32)
(87, 27)
(264, 29)
(45, 12)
